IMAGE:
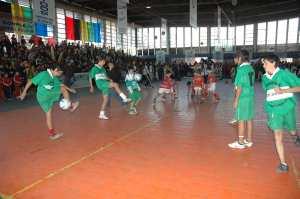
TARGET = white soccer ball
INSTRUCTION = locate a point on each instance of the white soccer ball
(138, 77)
(64, 104)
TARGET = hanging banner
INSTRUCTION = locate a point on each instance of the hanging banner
(44, 11)
(219, 26)
(122, 16)
(193, 13)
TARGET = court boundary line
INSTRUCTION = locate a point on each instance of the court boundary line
(76, 162)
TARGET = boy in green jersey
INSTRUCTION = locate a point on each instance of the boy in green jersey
(280, 104)
(131, 81)
(104, 84)
(243, 103)
(49, 90)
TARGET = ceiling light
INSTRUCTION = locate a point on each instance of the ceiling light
(148, 7)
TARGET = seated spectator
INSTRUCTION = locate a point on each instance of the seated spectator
(7, 86)
(17, 84)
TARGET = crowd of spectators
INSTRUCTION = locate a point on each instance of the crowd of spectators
(21, 60)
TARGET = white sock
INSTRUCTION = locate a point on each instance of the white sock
(123, 96)
(102, 113)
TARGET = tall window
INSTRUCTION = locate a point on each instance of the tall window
(203, 36)
(139, 38)
(145, 38)
(133, 42)
(249, 34)
(239, 32)
(293, 30)
(230, 41)
(108, 33)
(213, 36)
(173, 37)
(113, 34)
(157, 37)
(261, 33)
(281, 32)
(195, 37)
(180, 37)
(187, 37)
(151, 38)
(271, 34)
(223, 36)
(61, 24)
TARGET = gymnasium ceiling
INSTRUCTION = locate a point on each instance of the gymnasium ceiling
(177, 11)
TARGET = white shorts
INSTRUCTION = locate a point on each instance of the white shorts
(164, 91)
(212, 87)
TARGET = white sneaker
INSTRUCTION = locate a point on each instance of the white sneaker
(103, 117)
(236, 145)
(126, 100)
(232, 122)
(248, 144)
(56, 136)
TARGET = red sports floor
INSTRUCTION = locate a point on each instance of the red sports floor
(175, 151)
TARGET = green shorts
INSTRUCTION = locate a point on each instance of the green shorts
(135, 95)
(104, 87)
(245, 109)
(283, 122)
(46, 101)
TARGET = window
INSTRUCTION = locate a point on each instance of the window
(239, 32)
(261, 33)
(179, 37)
(108, 33)
(157, 37)
(187, 37)
(139, 38)
(61, 24)
(293, 30)
(281, 32)
(213, 36)
(195, 37)
(133, 42)
(203, 36)
(271, 34)
(249, 34)
(230, 41)
(113, 34)
(145, 38)
(173, 37)
(151, 38)
(223, 36)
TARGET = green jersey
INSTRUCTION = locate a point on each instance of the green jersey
(48, 89)
(98, 73)
(132, 85)
(279, 104)
(244, 79)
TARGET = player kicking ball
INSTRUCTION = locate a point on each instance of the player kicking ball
(104, 84)
(49, 90)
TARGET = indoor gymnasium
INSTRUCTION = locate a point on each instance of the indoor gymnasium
(149, 99)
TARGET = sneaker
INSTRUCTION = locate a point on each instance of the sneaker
(282, 168)
(74, 106)
(236, 145)
(103, 117)
(297, 141)
(232, 122)
(56, 136)
(126, 100)
(248, 144)
(131, 112)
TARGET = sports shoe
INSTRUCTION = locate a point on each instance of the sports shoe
(248, 144)
(236, 145)
(126, 100)
(74, 106)
(103, 117)
(282, 168)
(297, 141)
(56, 136)
(232, 122)
(131, 112)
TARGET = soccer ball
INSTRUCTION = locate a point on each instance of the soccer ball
(64, 104)
(138, 77)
